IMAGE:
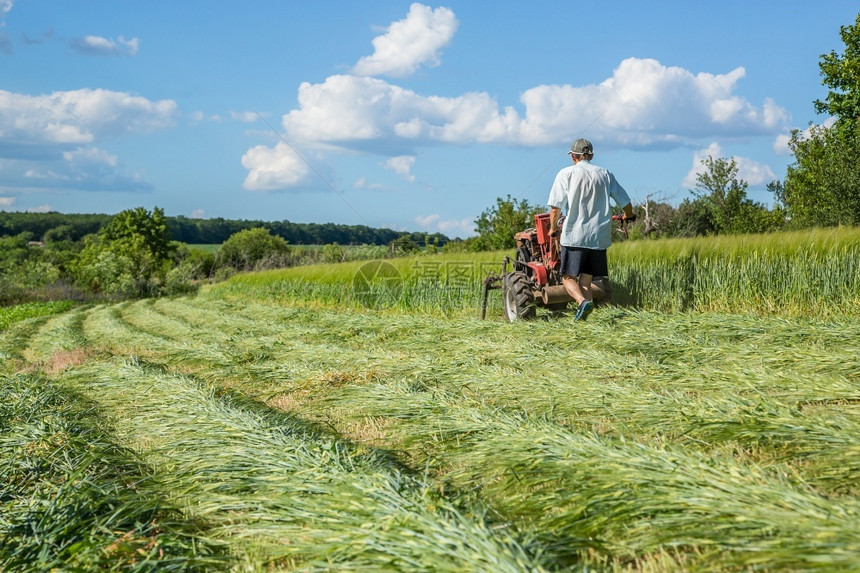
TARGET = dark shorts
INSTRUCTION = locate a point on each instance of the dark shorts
(577, 260)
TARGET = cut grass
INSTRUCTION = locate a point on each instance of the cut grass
(73, 500)
(637, 440)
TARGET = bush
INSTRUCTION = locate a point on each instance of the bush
(244, 250)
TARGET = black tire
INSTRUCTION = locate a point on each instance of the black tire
(518, 297)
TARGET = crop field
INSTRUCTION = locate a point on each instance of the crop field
(280, 421)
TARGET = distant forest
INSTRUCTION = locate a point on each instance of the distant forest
(73, 227)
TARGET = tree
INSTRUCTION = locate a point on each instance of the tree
(722, 205)
(822, 186)
(497, 225)
(129, 256)
(249, 249)
(842, 75)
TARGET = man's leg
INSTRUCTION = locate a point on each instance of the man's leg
(585, 285)
(573, 289)
(580, 289)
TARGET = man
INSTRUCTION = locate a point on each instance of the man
(583, 191)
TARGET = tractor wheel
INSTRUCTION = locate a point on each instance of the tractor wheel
(518, 297)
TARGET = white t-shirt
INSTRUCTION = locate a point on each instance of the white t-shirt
(582, 191)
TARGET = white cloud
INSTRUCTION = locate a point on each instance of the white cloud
(51, 140)
(402, 165)
(198, 214)
(271, 168)
(7, 201)
(5, 6)
(643, 104)
(90, 156)
(751, 171)
(245, 116)
(40, 209)
(363, 183)
(409, 43)
(99, 46)
(450, 227)
(80, 116)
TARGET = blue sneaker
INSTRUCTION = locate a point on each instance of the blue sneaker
(585, 308)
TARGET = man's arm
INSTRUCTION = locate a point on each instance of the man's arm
(628, 211)
(554, 216)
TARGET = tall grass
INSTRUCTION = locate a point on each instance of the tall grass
(794, 273)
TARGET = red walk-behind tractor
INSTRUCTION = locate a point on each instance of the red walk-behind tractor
(532, 279)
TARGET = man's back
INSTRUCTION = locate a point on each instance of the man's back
(584, 191)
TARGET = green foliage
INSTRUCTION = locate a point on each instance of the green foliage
(405, 245)
(253, 249)
(822, 186)
(842, 75)
(130, 255)
(333, 253)
(497, 225)
(12, 314)
(725, 207)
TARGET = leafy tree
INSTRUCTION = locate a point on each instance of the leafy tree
(842, 75)
(725, 206)
(822, 186)
(248, 249)
(405, 244)
(130, 255)
(497, 225)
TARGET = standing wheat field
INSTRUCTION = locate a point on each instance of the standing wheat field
(258, 427)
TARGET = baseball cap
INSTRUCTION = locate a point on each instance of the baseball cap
(581, 147)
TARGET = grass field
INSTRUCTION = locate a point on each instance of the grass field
(247, 430)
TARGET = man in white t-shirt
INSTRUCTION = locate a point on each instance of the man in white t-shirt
(583, 191)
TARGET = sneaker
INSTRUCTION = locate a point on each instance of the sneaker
(585, 308)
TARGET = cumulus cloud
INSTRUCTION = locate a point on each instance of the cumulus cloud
(271, 168)
(642, 105)
(751, 171)
(99, 46)
(80, 116)
(409, 43)
(50, 141)
(7, 201)
(402, 165)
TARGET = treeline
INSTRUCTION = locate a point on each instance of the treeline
(53, 227)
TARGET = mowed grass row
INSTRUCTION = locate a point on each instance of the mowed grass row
(268, 489)
(804, 273)
(636, 440)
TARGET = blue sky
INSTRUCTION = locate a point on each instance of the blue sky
(413, 116)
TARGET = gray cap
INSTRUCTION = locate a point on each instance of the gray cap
(581, 147)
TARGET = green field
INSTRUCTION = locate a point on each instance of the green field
(282, 421)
